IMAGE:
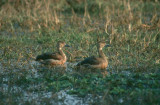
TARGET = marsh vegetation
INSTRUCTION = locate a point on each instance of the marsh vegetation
(31, 27)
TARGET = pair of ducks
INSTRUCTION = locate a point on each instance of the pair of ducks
(59, 58)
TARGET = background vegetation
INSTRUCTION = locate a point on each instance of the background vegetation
(31, 27)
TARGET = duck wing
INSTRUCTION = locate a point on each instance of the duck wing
(90, 60)
(45, 56)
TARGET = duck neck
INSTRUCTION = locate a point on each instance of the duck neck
(101, 54)
(61, 52)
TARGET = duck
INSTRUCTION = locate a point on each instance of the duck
(94, 62)
(56, 58)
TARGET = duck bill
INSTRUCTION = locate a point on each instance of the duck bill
(107, 45)
(67, 45)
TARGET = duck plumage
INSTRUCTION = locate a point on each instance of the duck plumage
(57, 58)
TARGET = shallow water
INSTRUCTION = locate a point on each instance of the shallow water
(62, 98)
(25, 95)
(37, 90)
(1, 68)
(62, 95)
(59, 98)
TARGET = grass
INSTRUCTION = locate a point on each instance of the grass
(132, 28)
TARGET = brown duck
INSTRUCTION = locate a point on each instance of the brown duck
(58, 58)
(100, 62)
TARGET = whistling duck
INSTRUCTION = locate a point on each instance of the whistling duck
(58, 58)
(93, 62)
